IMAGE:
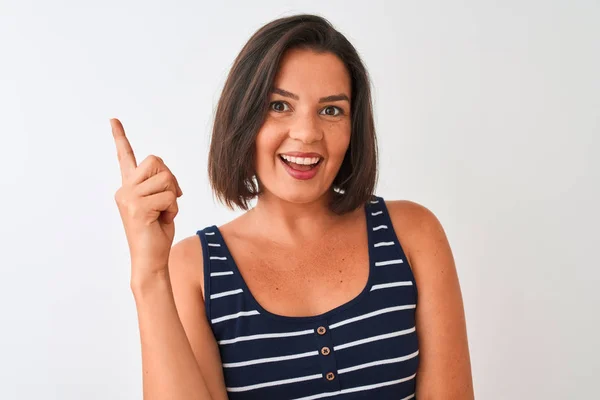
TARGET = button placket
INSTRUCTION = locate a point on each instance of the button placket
(327, 359)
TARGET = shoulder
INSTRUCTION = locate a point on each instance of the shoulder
(407, 211)
(186, 262)
(420, 233)
(417, 223)
(186, 259)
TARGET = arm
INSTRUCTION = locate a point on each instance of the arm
(164, 278)
(187, 276)
(180, 358)
(445, 368)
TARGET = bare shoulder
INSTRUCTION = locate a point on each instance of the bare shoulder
(425, 244)
(417, 227)
(407, 211)
(186, 262)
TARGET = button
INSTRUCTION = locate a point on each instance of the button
(325, 351)
(330, 376)
(321, 330)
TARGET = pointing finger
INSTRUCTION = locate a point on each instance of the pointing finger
(125, 154)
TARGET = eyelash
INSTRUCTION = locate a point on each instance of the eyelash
(340, 110)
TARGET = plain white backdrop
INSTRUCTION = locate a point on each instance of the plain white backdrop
(487, 112)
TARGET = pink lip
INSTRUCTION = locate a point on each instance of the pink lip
(302, 175)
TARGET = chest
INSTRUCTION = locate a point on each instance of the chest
(307, 280)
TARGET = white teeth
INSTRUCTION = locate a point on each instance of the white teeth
(301, 160)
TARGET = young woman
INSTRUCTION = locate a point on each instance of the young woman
(322, 289)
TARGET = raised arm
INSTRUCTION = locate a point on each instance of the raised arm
(147, 202)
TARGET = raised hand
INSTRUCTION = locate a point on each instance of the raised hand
(147, 202)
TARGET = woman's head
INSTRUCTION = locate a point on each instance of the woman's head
(297, 86)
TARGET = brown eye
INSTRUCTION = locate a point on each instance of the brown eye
(278, 106)
(333, 111)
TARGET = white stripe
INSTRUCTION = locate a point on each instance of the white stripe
(377, 213)
(374, 201)
(360, 389)
(412, 396)
(214, 244)
(221, 273)
(218, 258)
(224, 294)
(234, 316)
(274, 383)
(383, 244)
(374, 339)
(379, 362)
(371, 314)
(391, 284)
(270, 359)
(380, 227)
(390, 262)
(209, 233)
(266, 336)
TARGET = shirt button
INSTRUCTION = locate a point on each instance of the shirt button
(330, 376)
(325, 351)
(321, 330)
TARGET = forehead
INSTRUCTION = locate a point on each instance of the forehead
(312, 74)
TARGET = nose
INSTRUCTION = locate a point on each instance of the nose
(306, 128)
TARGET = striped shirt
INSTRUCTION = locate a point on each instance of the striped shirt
(366, 348)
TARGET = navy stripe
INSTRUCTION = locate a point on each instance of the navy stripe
(369, 348)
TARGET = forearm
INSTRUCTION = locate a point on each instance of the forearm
(170, 370)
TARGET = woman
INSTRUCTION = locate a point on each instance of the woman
(312, 293)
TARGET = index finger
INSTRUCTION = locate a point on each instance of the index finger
(125, 154)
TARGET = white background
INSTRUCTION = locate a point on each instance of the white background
(488, 113)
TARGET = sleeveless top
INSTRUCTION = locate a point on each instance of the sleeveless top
(366, 348)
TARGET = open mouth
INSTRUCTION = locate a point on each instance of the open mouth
(301, 163)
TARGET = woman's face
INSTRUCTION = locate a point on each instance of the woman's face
(308, 121)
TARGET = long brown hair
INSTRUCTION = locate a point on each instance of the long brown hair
(243, 106)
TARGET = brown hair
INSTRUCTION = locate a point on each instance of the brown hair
(244, 102)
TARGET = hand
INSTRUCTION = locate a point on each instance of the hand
(147, 202)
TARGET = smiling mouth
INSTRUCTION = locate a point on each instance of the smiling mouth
(300, 167)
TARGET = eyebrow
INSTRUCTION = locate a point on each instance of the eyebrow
(335, 97)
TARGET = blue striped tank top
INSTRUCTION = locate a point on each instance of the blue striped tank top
(364, 349)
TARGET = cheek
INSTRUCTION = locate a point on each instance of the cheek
(338, 145)
(267, 143)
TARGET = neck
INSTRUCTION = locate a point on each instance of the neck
(293, 223)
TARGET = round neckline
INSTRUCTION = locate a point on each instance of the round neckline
(327, 314)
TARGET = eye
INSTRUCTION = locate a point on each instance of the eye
(331, 111)
(279, 106)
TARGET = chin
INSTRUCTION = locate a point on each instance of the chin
(300, 196)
